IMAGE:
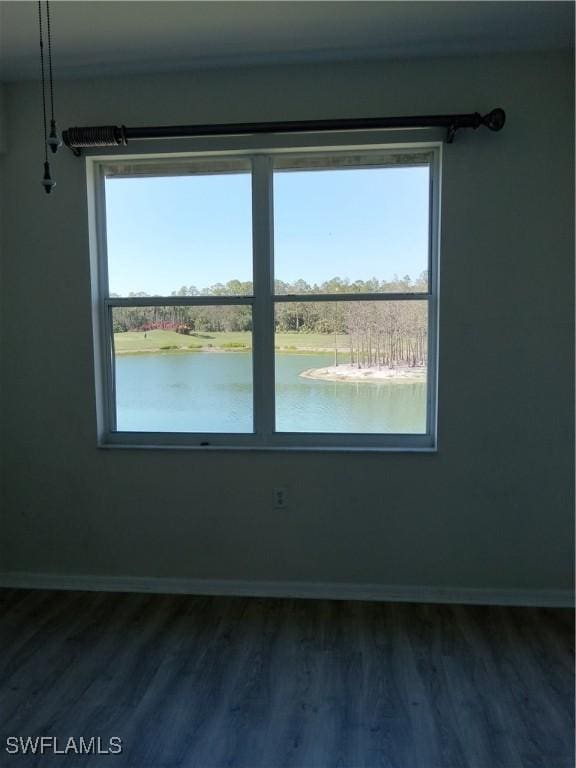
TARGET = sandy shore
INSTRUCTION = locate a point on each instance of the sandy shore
(351, 373)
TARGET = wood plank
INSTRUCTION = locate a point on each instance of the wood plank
(209, 682)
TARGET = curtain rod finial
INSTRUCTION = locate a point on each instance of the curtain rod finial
(495, 119)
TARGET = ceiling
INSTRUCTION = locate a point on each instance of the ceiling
(113, 37)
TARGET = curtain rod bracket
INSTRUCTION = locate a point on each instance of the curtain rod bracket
(450, 133)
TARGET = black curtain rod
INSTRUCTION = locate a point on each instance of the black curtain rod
(113, 136)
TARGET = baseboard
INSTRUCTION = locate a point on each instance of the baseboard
(296, 589)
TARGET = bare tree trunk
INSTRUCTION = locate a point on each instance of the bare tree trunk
(335, 334)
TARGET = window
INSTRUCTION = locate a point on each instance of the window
(273, 300)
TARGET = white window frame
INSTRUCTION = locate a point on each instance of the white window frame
(262, 302)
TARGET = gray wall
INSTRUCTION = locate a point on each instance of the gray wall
(2, 121)
(491, 509)
(2, 185)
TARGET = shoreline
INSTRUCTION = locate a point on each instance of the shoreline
(350, 373)
(178, 350)
(174, 350)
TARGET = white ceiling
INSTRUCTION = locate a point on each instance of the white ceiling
(109, 36)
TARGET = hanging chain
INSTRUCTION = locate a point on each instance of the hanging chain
(51, 140)
(43, 80)
(50, 60)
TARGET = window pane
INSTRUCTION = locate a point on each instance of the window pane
(351, 367)
(179, 235)
(352, 230)
(183, 369)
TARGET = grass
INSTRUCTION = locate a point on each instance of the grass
(137, 342)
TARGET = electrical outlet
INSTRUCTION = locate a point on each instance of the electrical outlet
(280, 498)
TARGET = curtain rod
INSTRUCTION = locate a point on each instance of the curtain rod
(114, 136)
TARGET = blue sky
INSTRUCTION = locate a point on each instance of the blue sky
(196, 230)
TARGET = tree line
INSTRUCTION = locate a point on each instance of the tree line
(367, 333)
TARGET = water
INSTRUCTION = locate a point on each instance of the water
(212, 392)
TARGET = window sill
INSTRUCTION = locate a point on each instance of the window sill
(150, 445)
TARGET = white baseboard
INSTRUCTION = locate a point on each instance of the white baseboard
(298, 589)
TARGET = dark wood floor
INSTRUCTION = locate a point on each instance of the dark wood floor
(252, 683)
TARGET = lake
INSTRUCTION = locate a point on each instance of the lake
(212, 392)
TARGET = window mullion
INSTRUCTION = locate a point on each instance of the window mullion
(263, 311)
(179, 301)
(110, 370)
(433, 287)
(312, 298)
